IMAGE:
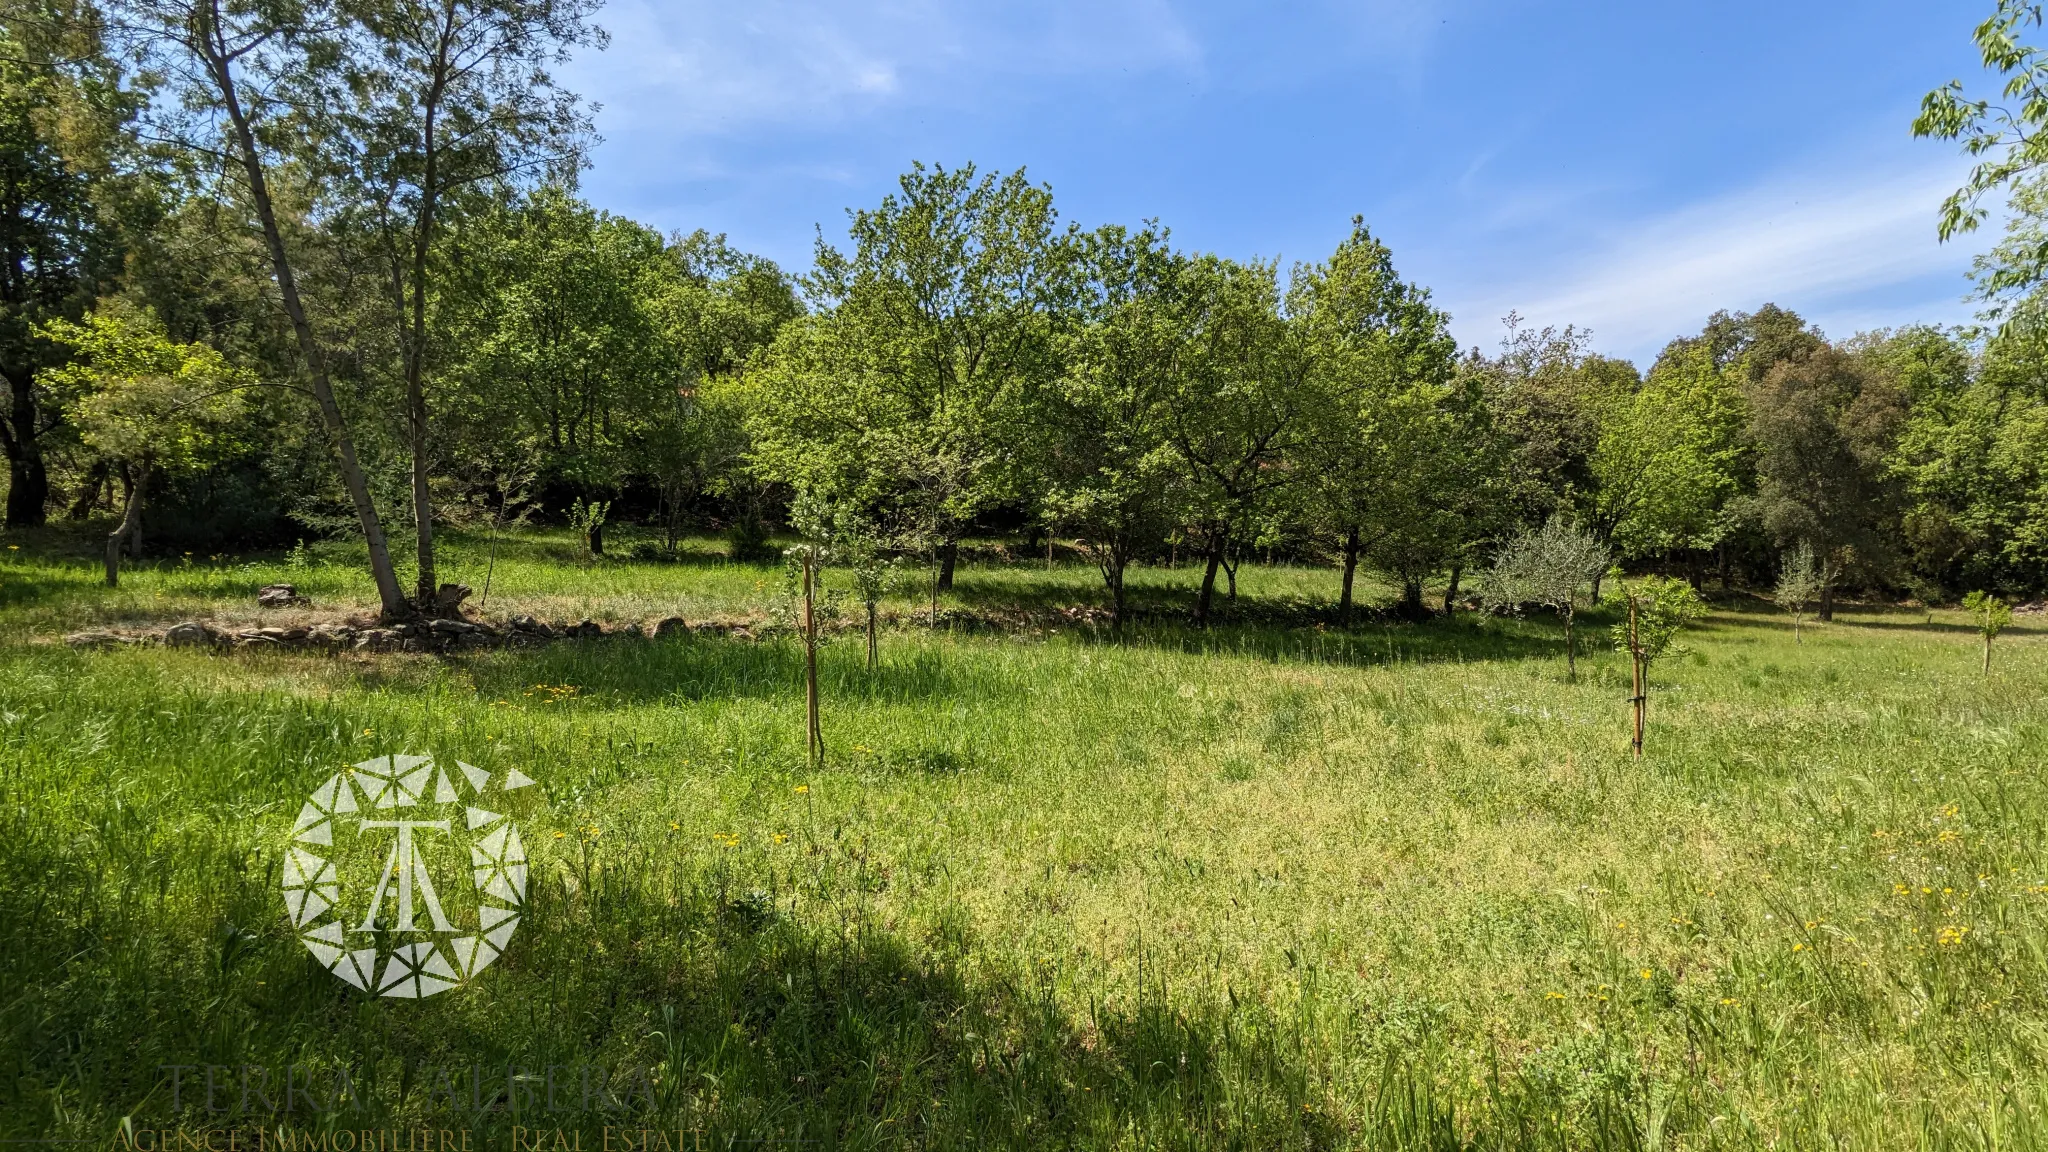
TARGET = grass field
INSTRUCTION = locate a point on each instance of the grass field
(1276, 885)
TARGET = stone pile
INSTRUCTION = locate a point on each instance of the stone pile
(442, 635)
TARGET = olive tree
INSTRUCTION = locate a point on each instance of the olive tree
(1554, 566)
(1800, 583)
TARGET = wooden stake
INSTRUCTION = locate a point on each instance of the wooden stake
(814, 739)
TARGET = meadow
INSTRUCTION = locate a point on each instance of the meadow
(1278, 884)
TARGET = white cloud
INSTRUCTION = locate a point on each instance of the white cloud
(683, 67)
(1822, 243)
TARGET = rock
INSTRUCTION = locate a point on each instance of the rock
(449, 599)
(451, 627)
(190, 634)
(339, 634)
(634, 630)
(584, 630)
(281, 596)
(674, 627)
(93, 639)
(258, 640)
(277, 634)
(378, 640)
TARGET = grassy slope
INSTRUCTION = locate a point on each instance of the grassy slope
(1259, 888)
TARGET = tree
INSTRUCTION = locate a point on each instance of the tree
(1111, 476)
(2009, 137)
(241, 76)
(1658, 609)
(907, 388)
(1800, 583)
(1547, 390)
(1237, 414)
(1382, 377)
(1551, 566)
(556, 341)
(717, 308)
(1667, 456)
(64, 111)
(1990, 615)
(446, 97)
(858, 547)
(1823, 427)
(1972, 456)
(147, 402)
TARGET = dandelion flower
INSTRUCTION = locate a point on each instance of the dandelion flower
(802, 788)
(1647, 973)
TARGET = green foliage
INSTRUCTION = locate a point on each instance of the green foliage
(1111, 476)
(1658, 609)
(1554, 566)
(1800, 583)
(1990, 614)
(586, 519)
(1973, 456)
(2008, 135)
(137, 395)
(1667, 455)
(908, 388)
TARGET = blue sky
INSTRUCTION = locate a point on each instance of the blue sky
(1624, 167)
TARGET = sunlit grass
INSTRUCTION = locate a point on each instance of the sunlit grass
(1400, 886)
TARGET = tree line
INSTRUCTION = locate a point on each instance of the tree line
(320, 266)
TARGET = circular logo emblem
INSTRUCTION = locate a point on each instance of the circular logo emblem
(401, 878)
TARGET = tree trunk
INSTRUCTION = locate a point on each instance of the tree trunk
(1571, 647)
(874, 647)
(1412, 607)
(131, 522)
(1207, 597)
(1826, 615)
(1987, 655)
(427, 586)
(1230, 564)
(1721, 557)
(594, 538)
(949, 554)
(28, 489)
(814, 740)
(1451, 593)
(1350, 572)
(88, 498)
(1640, 686)
(220, 68)
(1113, 575)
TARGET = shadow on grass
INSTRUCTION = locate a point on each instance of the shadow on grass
(742, 1017)
(624, 670)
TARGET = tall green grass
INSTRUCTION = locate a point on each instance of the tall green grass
(1261, 887)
